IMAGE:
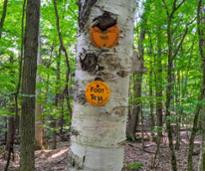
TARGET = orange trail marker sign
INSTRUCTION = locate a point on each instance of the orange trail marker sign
(97, 93)
(105, 39)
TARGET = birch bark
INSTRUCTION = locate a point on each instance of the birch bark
(98, 133)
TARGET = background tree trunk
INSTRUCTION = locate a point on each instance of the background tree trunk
(134, 114)
(138, 69)
(39, 128)
(10, 128)
(159, 86)
(201, 33)
(29, 86)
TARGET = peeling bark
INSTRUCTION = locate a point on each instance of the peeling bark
(105, 21)
(84, 12)
(89, 62)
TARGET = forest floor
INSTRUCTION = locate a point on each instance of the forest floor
(56, 160)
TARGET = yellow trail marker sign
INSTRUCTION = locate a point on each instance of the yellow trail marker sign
(105, 39)
(97, 93)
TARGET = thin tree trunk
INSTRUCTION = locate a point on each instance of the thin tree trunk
(202, 154)
(29, 86)
(11, 124)
(10, 140)
(201, 34)
(62, 123)
(193, 134)
(159, 105)
(141, 57)
(54, 136)
(129, 133)
(59, 106)
(172, 53)
(10, 128)
(47, 89)
(151, 94)
(178, 112)
(66, 56)
(16, 121)
(133, 118)
(138, 68)
(57, 98)
(5, 127)
(169, 96)
(39, 128)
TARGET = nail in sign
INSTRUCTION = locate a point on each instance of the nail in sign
(97, 93)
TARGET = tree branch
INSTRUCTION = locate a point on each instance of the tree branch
(176, 7)
(62, 46)
(166, 7)
(183, 37)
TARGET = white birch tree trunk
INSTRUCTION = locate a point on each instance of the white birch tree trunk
(98, 133)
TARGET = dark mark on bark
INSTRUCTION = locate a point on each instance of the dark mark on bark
(74, 132)
(119, 111)
(84, 12)
(98, 79)
(100, 68)
(110, 61)
(75, 161)
(106, 75)
(83, 159)
(105, 21)
(88, 62)
(122, 73)
(80, 97)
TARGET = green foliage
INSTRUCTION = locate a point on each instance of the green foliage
(135, 166)
(48, 87)
(187, 73)
(5, 112)
(158, 129)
